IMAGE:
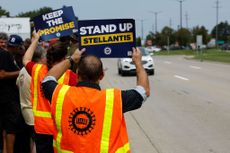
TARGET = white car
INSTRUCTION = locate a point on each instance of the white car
(126, 65)
(152, 49)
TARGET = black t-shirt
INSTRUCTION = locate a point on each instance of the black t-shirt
(131, 99)
(8, 88)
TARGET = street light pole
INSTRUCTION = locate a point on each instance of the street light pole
(180, 1)
(186, 18)
(155, 15)
(217, 16)
(142, 30)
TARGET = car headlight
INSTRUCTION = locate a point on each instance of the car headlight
(150, 59)
(126, 60)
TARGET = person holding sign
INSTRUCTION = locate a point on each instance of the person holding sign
(56, 24)
(43, 123)
(87, 118)
(107, 38)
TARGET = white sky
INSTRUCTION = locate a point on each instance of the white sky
(200, 12)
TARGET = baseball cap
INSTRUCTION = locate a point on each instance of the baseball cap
(15, 40)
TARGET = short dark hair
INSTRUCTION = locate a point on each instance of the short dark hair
(56, 53)
(27, 43)
(3, 36)
(90, 68)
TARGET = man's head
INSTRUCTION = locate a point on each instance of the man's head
(15, 44)
(27, 43)
(149, 43)
(90, 68)
(3, 40)
(15, 41)
(56, 53)
(39, 55)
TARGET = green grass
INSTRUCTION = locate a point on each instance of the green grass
(209, 55)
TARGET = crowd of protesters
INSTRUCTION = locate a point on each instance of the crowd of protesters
(35, 76)
(17, 133)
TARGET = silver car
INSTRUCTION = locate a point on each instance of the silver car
(126, 65)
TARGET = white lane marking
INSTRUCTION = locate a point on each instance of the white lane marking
(180, 77)
(167, 62)
(195, 67)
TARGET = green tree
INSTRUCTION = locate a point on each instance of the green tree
(183, 36)
(34, 13)
(200, 31)
(150, 36)
(138, 41)
(223, 31)
(154, 37)
(167, 34)
(4, 12)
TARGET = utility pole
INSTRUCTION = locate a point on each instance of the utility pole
(142, 29)
(153, 28)
(217, 17)
(186, 19)
(155, 14)
(170, 23)
(180, 1)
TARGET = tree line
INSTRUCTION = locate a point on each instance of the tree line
(185, 36)
(167, 35)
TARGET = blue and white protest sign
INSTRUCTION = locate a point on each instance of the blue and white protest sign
(107, 38)
(58, 23)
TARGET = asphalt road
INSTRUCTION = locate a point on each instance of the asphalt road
(188, 110)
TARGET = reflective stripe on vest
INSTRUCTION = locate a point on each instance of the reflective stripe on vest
(62, 78)
(107, 121)
(35, 102)
(123, 149)
(59, 104)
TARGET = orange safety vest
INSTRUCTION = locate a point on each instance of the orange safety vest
(43, 122)
(88, 121)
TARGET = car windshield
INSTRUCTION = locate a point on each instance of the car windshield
(144, 52)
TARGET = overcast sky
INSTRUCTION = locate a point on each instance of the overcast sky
(200, 12)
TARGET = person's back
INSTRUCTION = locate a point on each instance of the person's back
(92, 118)
(43, 122)
(9, 99)
(87, 118)
(7, 65)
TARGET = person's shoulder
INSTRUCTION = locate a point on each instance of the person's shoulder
(24, 71)
(3, 52)
(5, 55)
(116, 90)
(43, 67)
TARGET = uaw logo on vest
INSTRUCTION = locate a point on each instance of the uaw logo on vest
(107, 38)
(58, 23)
(82, 121)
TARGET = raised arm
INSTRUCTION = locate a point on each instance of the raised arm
(142, 77)
(30, 51)
(58, 69)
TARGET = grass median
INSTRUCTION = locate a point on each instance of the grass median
(216, 55)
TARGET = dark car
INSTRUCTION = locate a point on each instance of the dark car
(225, 46)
